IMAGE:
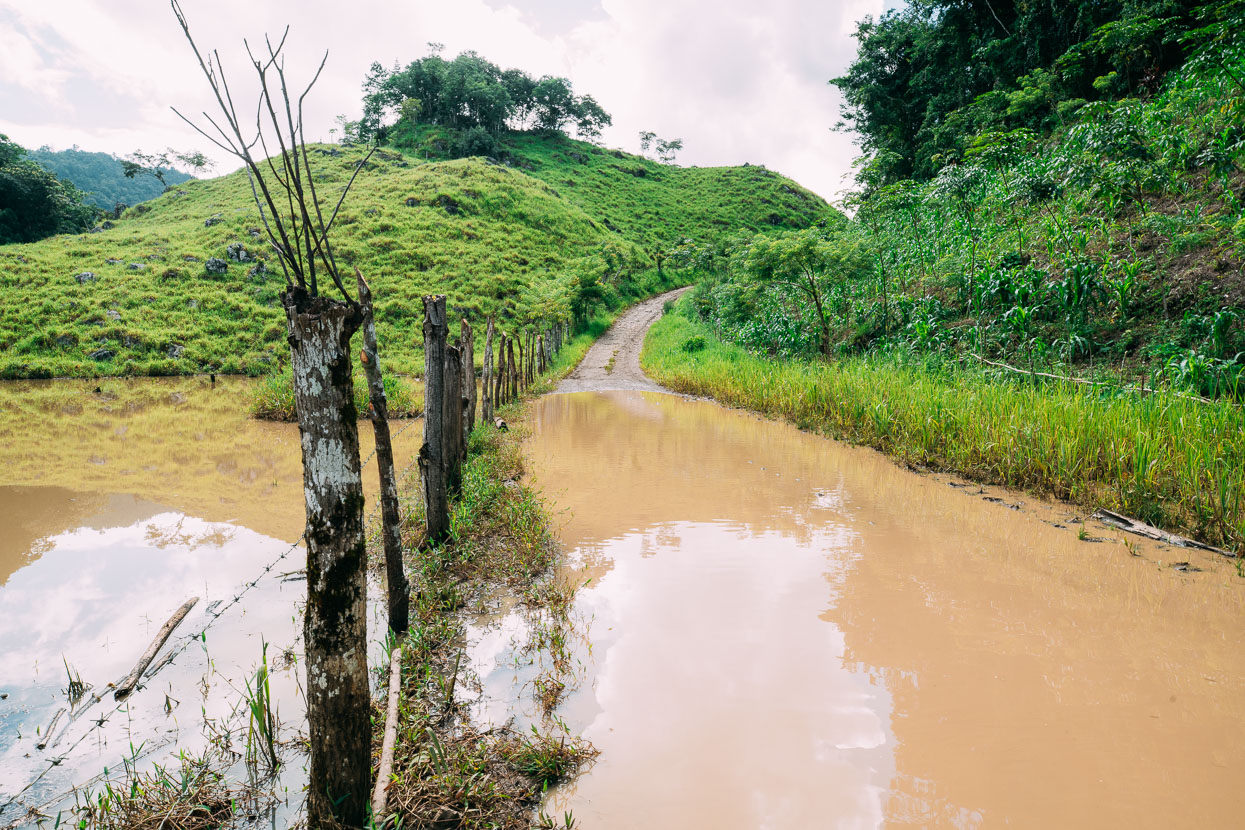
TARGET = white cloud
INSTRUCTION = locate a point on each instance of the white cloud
(736, 80)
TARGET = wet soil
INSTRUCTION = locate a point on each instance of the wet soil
(613, 362)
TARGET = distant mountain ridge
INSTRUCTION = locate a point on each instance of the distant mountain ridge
(100, 176)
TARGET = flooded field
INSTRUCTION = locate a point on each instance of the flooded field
(120, 500)
(786, 632)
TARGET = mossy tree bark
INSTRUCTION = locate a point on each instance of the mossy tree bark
(378, 410)
(432, 453)
(335, 624)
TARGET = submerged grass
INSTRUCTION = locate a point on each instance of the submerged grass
(1166, 460)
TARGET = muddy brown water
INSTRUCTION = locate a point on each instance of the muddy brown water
(115, 507)
(782, 631)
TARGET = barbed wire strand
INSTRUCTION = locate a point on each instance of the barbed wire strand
(184, 643)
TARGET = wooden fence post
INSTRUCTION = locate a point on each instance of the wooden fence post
(486, 379)
(514, 375)
(452, 407)
(432, 453)
(378, 410)
(335, 621)
(469, 381)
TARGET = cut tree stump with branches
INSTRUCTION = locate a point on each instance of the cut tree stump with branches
(320, 329)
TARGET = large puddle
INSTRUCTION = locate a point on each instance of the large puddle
(118, 502)
(786, 632)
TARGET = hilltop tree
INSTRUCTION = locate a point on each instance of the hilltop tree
(158, 165)
(666, 150)
(471, 92)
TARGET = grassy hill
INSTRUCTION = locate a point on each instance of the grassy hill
(135, 296)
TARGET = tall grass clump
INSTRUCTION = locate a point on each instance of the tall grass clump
(271, 398)
(447, 770)
(1167, 460)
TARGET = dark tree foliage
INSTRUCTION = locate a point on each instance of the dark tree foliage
(102, 176)
(929, 76)
(34, 203)
(470, 94)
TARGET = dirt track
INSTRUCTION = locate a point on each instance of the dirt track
(613, 362)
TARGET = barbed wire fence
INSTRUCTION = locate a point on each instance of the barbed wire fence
(214, 612)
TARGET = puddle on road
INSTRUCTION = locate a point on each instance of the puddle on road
(787, 632)
(115, 507)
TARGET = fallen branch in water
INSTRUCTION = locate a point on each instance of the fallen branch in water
(131, 680)
(47, 733)
(385, 768)
(1152, 532)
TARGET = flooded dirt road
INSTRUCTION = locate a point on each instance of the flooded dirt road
(780, 631)
(116, 506)
(787, 632)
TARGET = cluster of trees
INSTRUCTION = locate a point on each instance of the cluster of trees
(34, 203)
(470, 95)
(107, 180)
(666, 149)
(934, 71)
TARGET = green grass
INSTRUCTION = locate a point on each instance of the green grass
(1113, 248)
(501, 541)
(272, 397)
(496, 239)
(1166, 460)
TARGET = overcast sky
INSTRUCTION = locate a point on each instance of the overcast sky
(738, 80)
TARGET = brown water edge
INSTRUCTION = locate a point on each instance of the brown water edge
(115, 506)
(789, 632)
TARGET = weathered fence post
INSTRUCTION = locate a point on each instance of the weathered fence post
(486, 379)
(519, 380)
(452, 407)
(335, 622)
(432, 453)
(469, 381)
(378, 410)
(514, 375)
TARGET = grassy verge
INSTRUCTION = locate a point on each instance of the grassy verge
(448, 771)
(272, 397)
(1171, 462)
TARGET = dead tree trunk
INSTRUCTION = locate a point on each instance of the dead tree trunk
(432, 453)
(378, 410)
(452, 418)
(486, 379)
(469, 382)
(335, 624)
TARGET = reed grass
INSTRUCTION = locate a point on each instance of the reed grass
(1169, 461)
